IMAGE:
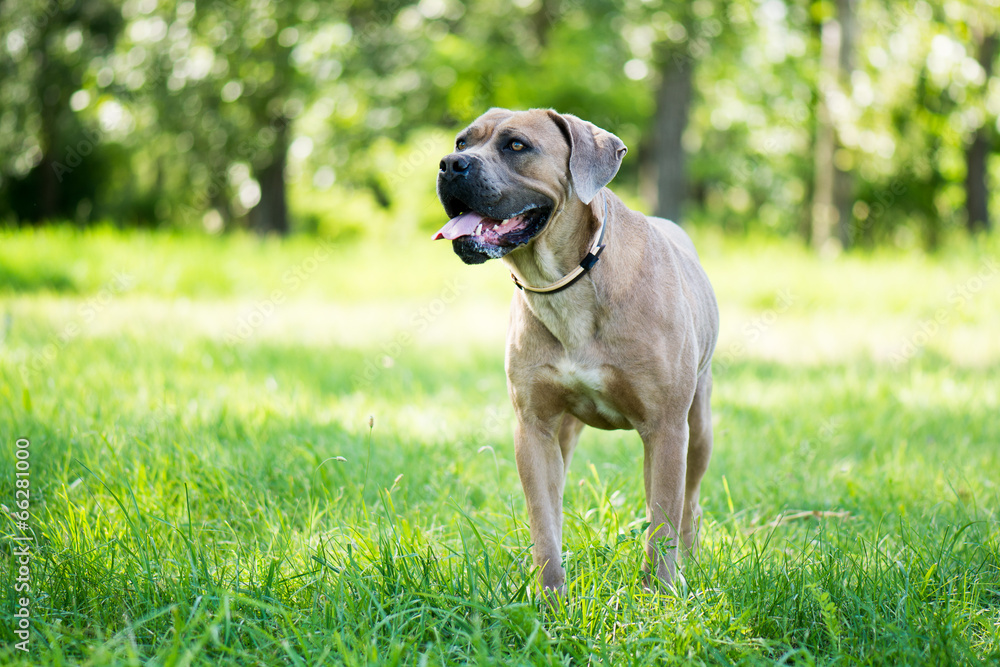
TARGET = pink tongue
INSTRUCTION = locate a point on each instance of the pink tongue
(460, 225)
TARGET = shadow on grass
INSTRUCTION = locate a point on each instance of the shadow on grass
(34, 277)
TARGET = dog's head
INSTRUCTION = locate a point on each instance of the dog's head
(512, 172)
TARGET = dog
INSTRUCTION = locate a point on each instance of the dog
(613, 322)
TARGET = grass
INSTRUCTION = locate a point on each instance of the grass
(206, 489)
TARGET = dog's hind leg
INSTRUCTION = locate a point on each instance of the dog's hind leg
(665, 448)
(699, 453)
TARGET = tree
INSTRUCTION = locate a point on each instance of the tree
(222, 84)
(248, 93)
(976, 190)
(832, 190)
(673, 102)
(51, 162)
(667, 41)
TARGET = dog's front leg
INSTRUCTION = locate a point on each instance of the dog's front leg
(665, 466)
(540, 465)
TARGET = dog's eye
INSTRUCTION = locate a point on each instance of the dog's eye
(516, 145)
(460, 144)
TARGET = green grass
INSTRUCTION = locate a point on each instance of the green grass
(204, 497)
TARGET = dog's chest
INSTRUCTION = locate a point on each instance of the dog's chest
(586, 393)
(572, 332)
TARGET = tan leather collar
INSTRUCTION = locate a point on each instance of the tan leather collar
(586, 264)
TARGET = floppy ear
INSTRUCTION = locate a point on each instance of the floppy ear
(594, 154)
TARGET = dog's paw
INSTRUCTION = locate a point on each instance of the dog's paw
(676, 587)
(551, 600)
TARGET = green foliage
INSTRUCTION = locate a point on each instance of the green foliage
(51, 160)
(183, 114)
(209, 499)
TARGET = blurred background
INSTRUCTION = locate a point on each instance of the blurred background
(846, 123)
(243, 365)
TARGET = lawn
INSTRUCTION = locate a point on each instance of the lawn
(287, 452)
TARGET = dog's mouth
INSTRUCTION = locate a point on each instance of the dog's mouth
(510, 232)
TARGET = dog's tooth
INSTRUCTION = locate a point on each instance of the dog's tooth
(479, 229)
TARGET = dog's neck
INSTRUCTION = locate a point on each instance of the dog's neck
(570, 315)
(556, 252)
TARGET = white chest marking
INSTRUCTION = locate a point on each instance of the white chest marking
(580, 378)
(586, 383)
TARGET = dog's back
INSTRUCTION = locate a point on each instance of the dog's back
(701, 295)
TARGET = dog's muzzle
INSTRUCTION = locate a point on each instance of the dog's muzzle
(486, 222)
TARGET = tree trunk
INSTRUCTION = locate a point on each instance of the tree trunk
(824, 215)
(48, 182)
(843, 180)
(976, 193)
(673, 102)
(270, 215)
(833, 188)
(543, 19)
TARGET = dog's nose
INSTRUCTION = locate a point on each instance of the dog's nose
(454, 166)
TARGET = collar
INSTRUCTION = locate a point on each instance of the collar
(586, 264)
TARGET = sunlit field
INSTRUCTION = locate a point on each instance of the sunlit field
(290, 452)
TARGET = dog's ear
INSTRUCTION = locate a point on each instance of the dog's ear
(594, 154)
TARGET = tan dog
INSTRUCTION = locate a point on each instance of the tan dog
(625, 344)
